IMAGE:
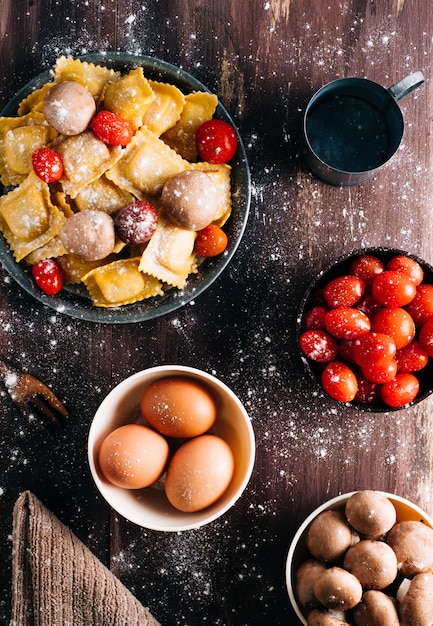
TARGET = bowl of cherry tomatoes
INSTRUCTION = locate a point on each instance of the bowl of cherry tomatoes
(365, 329)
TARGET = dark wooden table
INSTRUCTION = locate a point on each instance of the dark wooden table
(264, 60)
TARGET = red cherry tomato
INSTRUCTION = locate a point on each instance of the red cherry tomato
(421, 307)
(216, 141)
(346, 323)
(136, 222)
(112, 129)
(368, 305)
(407, 265)
(368, 392)
(426, 337)
(397, 323)
(343, 291)
(48, 276)
(411, 358)
(400, 391)
(373, 348)
(393, 288)
(339, 381)
(366, 267)
(318, 346)
(313, 318)
(345, 350)
(210, 241)
(47, 164)
(381, 371)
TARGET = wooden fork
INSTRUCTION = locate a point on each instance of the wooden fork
(32, 397)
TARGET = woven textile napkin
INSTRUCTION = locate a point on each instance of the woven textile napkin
(57, 581)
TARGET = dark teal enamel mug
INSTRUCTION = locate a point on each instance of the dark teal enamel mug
(352, 127)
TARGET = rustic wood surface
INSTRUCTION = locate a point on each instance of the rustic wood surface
(264, 60)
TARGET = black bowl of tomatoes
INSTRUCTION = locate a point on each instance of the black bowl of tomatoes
(365, 329)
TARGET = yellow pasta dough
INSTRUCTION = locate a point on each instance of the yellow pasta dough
(119, 283)
(129, 97)
(147, 163)
(28, 218)
(169, 255)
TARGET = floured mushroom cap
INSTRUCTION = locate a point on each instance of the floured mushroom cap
(338, 589)
(88, 235)
(191, 199)
(329, 536)
(370, 513)
(412, 543)
(376, 608)
(69, 107)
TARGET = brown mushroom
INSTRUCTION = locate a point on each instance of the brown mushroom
(320, 617)
(88, 235)
(374, 563)
(412, 543)
(370, 513)
(336, 588)
(306, 575)
(376, 608)
(416, 608)
(191, 199)
(69, 107)
(329, 536)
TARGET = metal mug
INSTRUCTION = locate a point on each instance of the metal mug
(352, 127)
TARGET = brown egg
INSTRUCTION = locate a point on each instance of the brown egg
(178, 407)
(199, 473)
(69, 107)
(191, 199)
(133, 456)
(88, 235)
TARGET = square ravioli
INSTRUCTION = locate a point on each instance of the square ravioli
(19, 138)
(169, 255)
(129, 97)
(119, 283)
(28, 218)
(146, 164)
(85, 158)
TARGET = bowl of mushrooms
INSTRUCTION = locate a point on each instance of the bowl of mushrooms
(362, 558)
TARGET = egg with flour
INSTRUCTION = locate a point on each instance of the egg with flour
(133, 456)
(199, 472)
(178, 407)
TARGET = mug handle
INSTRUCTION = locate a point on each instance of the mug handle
(406, 85)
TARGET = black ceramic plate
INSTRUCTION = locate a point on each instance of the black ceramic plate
(74, 301)
(340, 267)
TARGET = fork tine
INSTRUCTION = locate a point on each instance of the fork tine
(47, 400)
(32, 396)
(47, 413)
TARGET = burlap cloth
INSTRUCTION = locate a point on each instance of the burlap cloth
(57, 581)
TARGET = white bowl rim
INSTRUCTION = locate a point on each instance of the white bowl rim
(179, 369)
(329, 504)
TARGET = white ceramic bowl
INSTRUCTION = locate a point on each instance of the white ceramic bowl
(149, 507)
(298, 552)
